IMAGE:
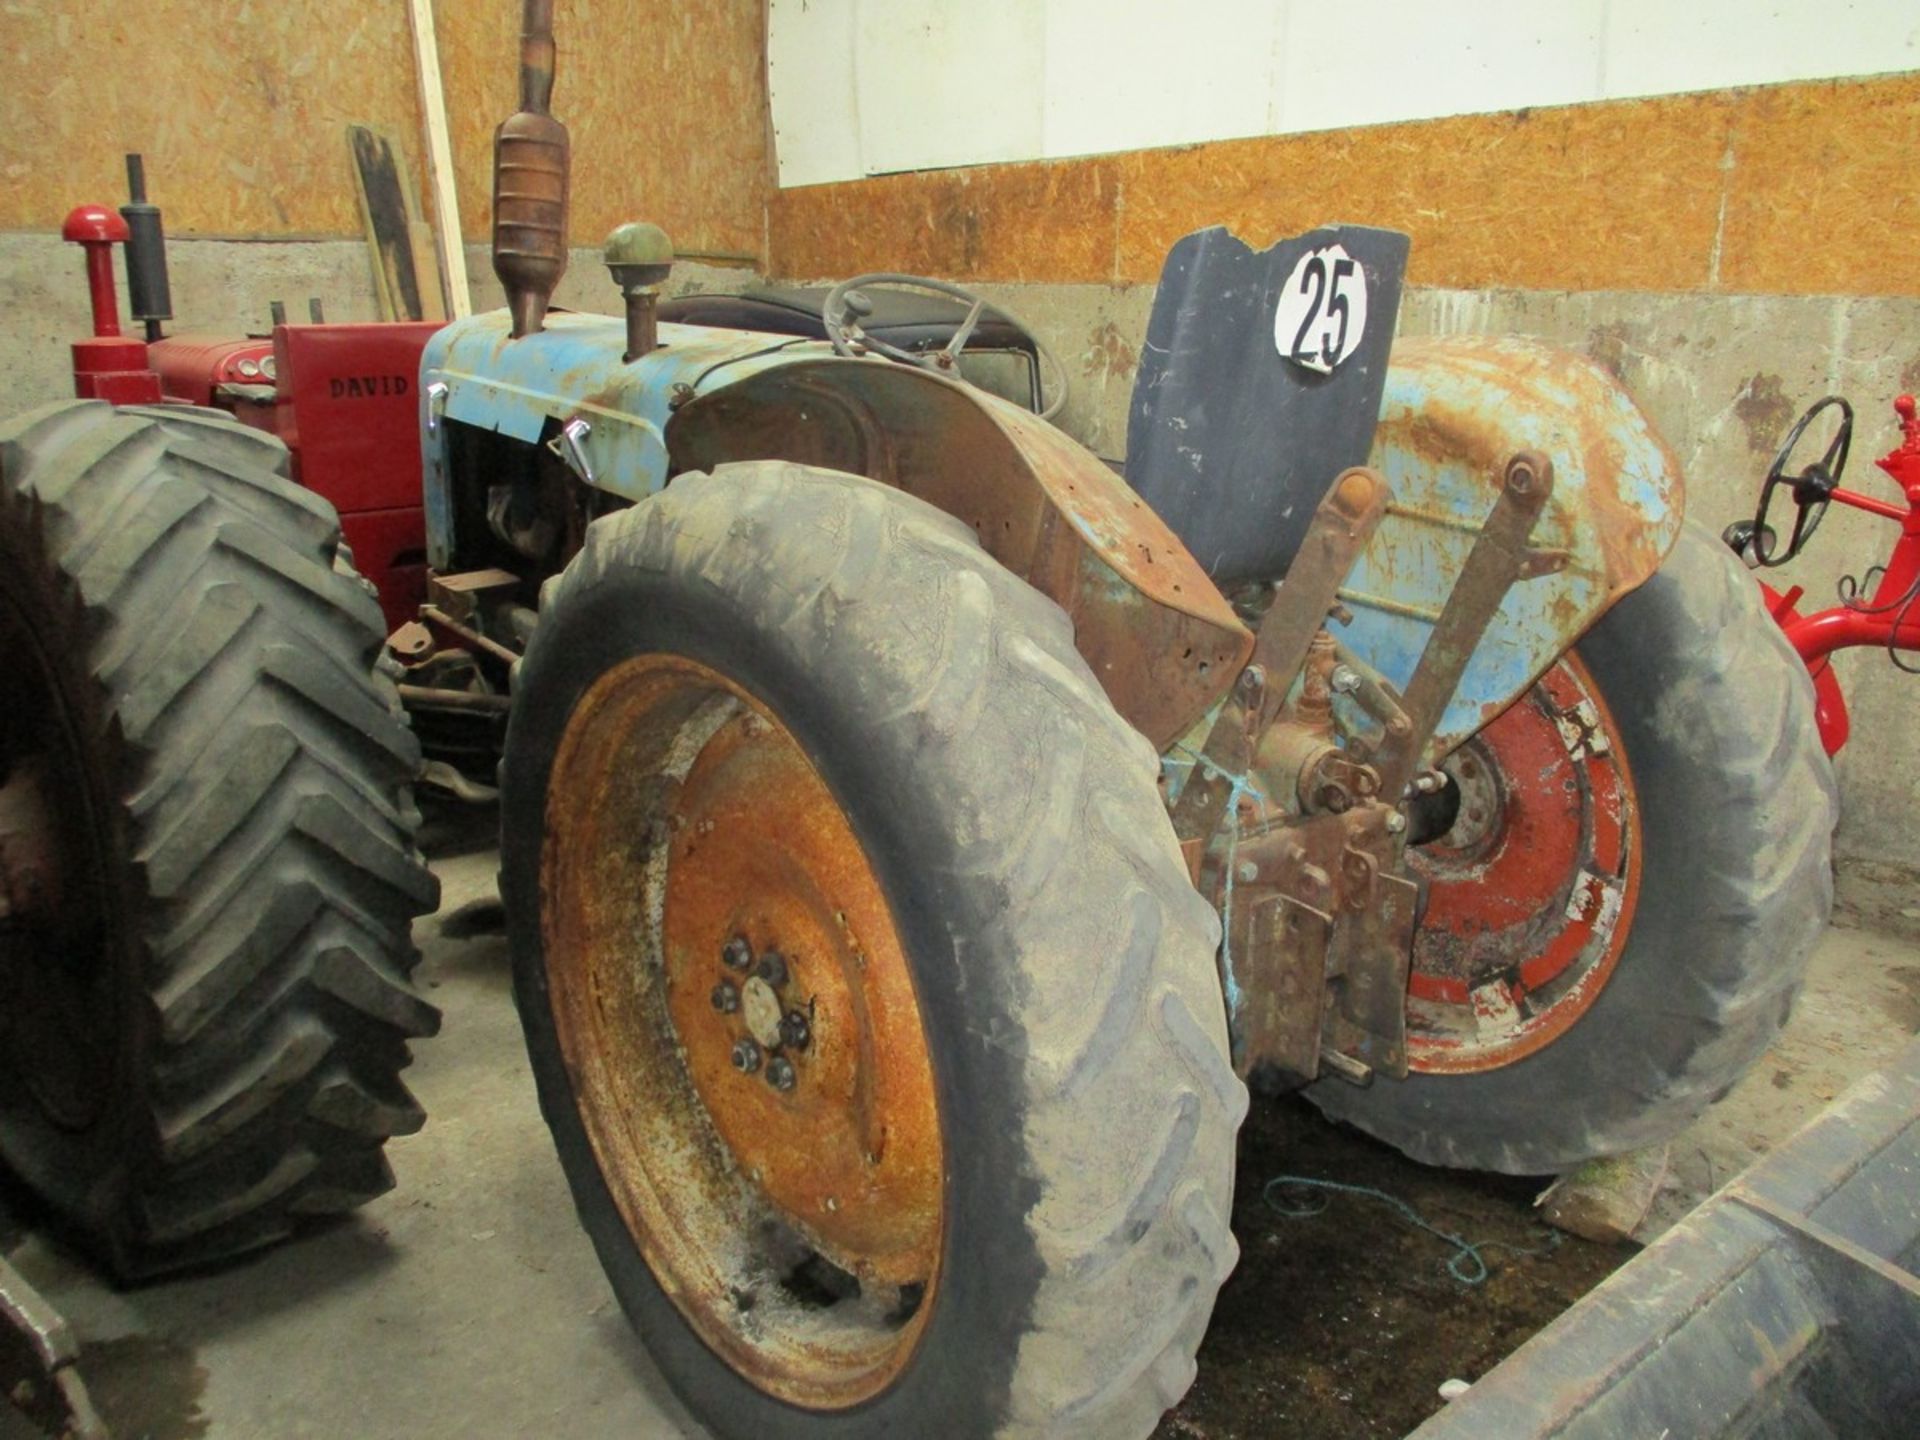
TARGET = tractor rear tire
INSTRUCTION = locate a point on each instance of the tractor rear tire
(1062, 963)
(1737, 804)
(206, 842)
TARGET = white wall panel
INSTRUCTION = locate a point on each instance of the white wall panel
(949, 84)
(862, 87)
(1365, 62)
(1124, 77)
(1657, 47)
(810, 67)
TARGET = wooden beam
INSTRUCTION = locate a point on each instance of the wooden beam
(446, 200)
(396, 286)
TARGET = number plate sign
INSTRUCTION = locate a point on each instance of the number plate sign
(1260, 381)
(1322, 313)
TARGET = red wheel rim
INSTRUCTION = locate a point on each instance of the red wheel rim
(1531, 894)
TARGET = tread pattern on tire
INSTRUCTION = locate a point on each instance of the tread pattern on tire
(264, 766)
(1130, 1106)
(1733, 704)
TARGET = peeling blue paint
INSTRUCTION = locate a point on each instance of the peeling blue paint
(574, 368)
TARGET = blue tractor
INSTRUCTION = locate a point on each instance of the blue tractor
(917, 836)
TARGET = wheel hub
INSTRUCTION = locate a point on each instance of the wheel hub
(1531, 889)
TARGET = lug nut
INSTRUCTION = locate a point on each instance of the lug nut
(795, 1031)
(780, 1074)
(746, 1057)
(1344, 680)
(726, 999)
(736, 954)
(773, 969)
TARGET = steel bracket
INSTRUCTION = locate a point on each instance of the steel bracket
(1322, 911)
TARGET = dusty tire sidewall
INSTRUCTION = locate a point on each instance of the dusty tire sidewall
(961, 1372)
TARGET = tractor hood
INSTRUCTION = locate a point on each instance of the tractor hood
(1164, 641)
(574, 370)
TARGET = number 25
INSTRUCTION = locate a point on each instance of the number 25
(1314, 277)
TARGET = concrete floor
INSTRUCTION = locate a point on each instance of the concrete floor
(468, 1302)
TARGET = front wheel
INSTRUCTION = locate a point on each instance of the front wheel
(207, 859)
(871, 1009)
(1620, 908)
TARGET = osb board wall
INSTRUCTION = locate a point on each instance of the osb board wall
(666, 105)
(1807, 188)
(241, 109)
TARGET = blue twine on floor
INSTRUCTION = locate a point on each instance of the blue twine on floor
(1468, 1265)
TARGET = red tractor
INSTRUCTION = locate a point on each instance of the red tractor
(1883, 609)
(914, 835)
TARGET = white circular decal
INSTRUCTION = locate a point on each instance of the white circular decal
(1323, 309)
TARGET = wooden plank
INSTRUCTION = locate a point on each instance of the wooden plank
(440, 175)
(388, 214)
(426, 265)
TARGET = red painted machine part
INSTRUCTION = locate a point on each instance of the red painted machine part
(114, 368)
(348, 405)
(1829, 703)
(108, 366)
(96, 230)
(1531, 895)
(1890, 616)
(194, 367)
(389, 548)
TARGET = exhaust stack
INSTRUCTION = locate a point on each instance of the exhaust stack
(149, 296)
(530, 155)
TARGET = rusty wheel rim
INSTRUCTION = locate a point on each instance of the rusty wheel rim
(1531, 894)
(735, 1008)
(56, 1016)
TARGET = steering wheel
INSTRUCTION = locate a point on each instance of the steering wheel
(847, 307)
(1754, 540)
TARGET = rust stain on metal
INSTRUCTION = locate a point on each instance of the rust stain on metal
(683, 818)
(1514, 378)
(1163, 641)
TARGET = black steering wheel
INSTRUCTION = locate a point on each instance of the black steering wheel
(847, 307)
(1754, 540)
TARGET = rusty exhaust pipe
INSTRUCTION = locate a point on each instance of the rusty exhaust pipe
(530, 155)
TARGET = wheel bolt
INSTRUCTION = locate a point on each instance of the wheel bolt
(746, 1057)
(780, 1074)
(726, 999)
(736, 954)
(795, 1032)
(773, 969)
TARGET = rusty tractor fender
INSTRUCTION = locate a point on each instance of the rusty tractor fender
(1456, 408)
(1163, 641)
